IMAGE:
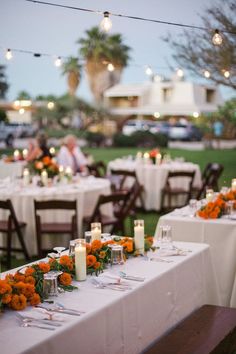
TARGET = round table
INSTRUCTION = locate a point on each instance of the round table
(86, 191)
(11, 169)
(153, 177)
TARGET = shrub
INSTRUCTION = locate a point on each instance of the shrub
(95, 139)
(140, 139)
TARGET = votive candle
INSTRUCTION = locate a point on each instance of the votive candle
(16, 155)
(26, 177)
(44, 177)
(25, 153)
(80, 260)
(209, 195)
(96, 231)
(146, 157)
(158, 159)
(139, 235)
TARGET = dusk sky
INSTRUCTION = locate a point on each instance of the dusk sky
(52, 30)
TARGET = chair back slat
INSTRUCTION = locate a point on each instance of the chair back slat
(55, 204)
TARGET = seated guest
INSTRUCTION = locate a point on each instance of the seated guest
(70, 155)
(38, 149)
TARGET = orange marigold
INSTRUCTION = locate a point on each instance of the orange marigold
(91, 260)
(97, 265)
(28, 290)
(29, 271)
(18, 302)
(19, 277)
(96, 245)
(5, 287)
(66, 261)
(65, 279)
(88, 248)
(46, 160)
(35, 300)
(44, 267)
(38, 165)
(30, 280)
(102, 254)
(6, 298)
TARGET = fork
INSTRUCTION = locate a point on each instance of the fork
(29, 319)
(112, 286)
(24, 324)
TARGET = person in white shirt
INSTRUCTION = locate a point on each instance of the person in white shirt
(71, 156)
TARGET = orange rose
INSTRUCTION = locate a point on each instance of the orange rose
(18, 302)
(97, 265)
(65, 279)
(44, 267)
(29, 271)
(35, 300)
(91, 260)
(96, 245)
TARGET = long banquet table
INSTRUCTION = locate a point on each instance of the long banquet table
(121, 322)
(220, 234)
(153, 177)
(86, 192)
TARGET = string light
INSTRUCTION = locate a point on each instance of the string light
(8, 54)
(110, 67)
(106, 23)
(21, 111)
(157, 78)
(156, 115)
(195, 115)
(148, 71)
(58, 62)
(217, 38)
(226, 74)
(51, 105)
(179, 73)
(207, 74)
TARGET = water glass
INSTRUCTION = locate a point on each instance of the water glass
(193, 206)
(117, 256)
(50, 284)
(229, 208)
(88, 236)
(165, 237)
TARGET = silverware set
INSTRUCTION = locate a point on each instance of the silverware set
(125, 276)
(116, 285)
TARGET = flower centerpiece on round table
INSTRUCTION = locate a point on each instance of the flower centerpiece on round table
(45, 164)
(153, 154)
(212, 210)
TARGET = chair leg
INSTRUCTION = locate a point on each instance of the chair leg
(22, 243)
(9, 234)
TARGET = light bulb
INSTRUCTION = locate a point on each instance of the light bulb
(148, 71)
(217, 38)
(156, 114)
(51, 105)
(226, 74)
(179, 72)
(207, 74)
(21, 111)
(106, 23)
(195, 114)
(157, 78)
(110, 67)
(58, 62)
(8, 54)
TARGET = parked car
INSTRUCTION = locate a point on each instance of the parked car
(184, 132)
(132, 126)
(9, 132)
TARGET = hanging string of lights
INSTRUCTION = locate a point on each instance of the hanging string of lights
(106, 23)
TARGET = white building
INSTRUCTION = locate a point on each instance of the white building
(165, 98)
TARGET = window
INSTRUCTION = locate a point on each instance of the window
(210, 95)
(167, 93)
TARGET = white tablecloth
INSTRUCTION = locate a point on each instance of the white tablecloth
(122, 322)
(11, 169)
(220, 234)
(153, 177)
(86, 192)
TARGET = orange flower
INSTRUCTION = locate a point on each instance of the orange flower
(30, 280)
(108, 242)
(44, 267)
(18, 302)
(6, 298)
(46, 160)
(52, 262)
(213, 215)
(28, 290)
(29, 271)
(102, 254)
(88, 248)
(66, 261)
(9, 278)
(91, 260)
(35, 300)
(38, 165)
(4, 287)
(65, 279)
(97, 265)
(128, 246)
(19, 277)
(96, 245)
(19, 287)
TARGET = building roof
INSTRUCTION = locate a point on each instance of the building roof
(128, 90)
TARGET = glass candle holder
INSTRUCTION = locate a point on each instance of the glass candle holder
(26, 177)
(80, 260)
(50, 284)
(193, 206)
(233, 184)
(117, 256)
(96, 231)
(139, 236)
(209, 195)
(88, 236)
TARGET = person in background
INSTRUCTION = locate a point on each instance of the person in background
(218, 128)
(39, 148)
(71, 156)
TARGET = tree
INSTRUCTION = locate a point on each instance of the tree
(23, 95)
(99, 49)
(195, 51)
(3, 82)
(72, 69)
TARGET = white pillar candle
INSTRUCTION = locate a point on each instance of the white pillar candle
(209, 195)
(69, 173)
(25, 153)
(96, 231)
(146, 158)
(158, 159)
(139, 235)
(80, 260)
(26, 177)
(139, 156)
(233, 184)
(44, 177)
(16, 155)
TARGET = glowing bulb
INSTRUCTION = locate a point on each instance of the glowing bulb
(58, 62)
(110, 67)
(106, 23)
(217, 38)
(51, 105)
(8, 54)
(156, 114)
(195, 114)
(16, 103)
(148, 71)
(52, 150)
(226, 74)
(179, 72)
(157, 78)
(207, 74)
(21, 111)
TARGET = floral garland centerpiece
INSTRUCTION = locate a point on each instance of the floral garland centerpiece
(47, 164)
(212, 210)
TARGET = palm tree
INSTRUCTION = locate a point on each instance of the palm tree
(72, 68)
(3, 82)
(99, 49)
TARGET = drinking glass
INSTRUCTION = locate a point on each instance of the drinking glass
(50, 284)
(117, 256)
(166, 237)
(193, 206)
(88, 236)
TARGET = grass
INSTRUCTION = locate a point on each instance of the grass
(225, 157)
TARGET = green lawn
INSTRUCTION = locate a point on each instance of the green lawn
(225, 157)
